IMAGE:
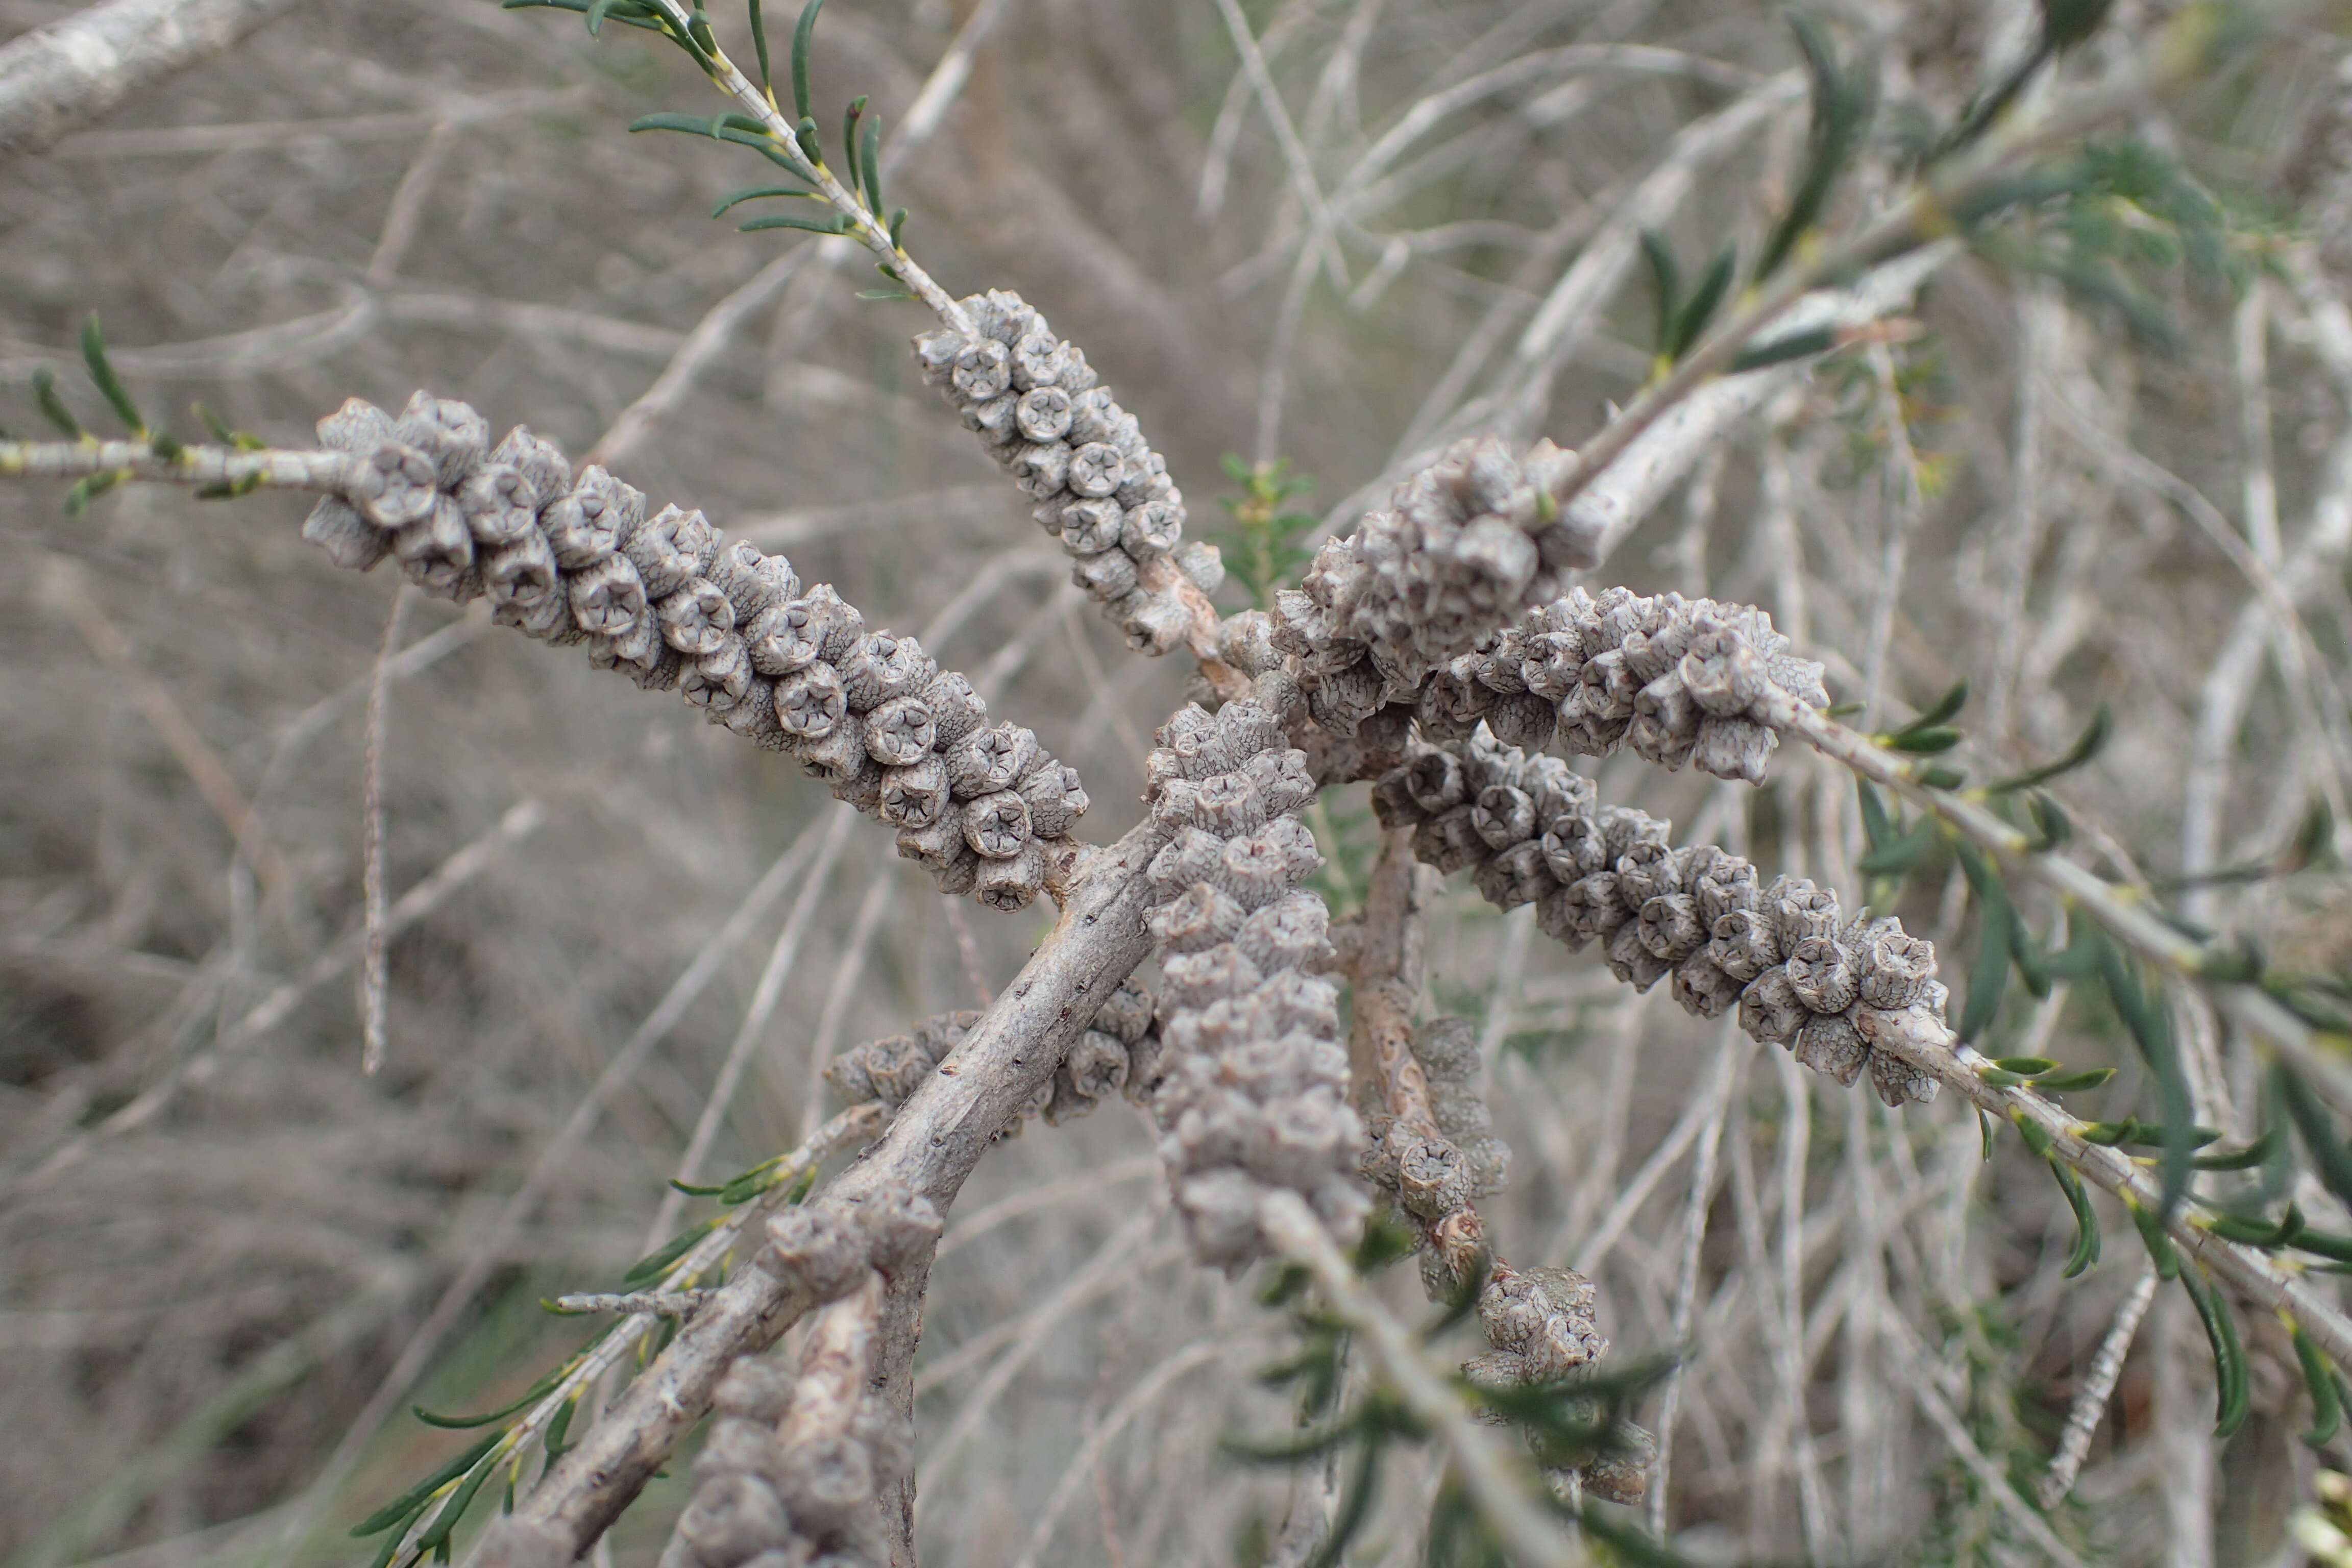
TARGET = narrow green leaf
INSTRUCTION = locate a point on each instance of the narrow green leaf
(396, 1533)
(1942, 711)
(53, 407)
(2329, 1157)
(1290, 1451)
(537, 1391)
(758, 194)
(1843, 105)
(437, 1535)
(805, 134)
(2028, 1066)
(1665, 286)
(2051, 825)
(2249, 1231)
(2030, 1131)
(558, 1426)
(831, 224)
(727, 126)
(2159, 1242)
(760, 48)
(869, 163)
(109, 384)
(1780, 351)
(1877, 829)
(166, 445)
(849, 140)
(1933, 738)
(655, 1264)
(411, 1500)
(2086, 1223)
(1713, 284)
(2229, 1358)
(597, 10)
(1989, 978)
(2060, 1083)
(2145, 1015)
(1984, 1133)
(1940, 777)
(2327, 1408)
(897, 229)
(2086, 745)
(86, 491)
(2324, 1244)
(2245, 1159)
(802, 34)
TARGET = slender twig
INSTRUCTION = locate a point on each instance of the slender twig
(372, 986)
(2122, 911)
(2260, 1280)
(1496, 1474)
(2090, 1399)
(2174, 53)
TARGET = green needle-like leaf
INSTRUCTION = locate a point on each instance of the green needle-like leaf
(849, 140)
(436, 1536)
(109, 384)
(2062, 1082)
(1989, 979)
(2330, 1159)
(760, 49)
(53, 407)
(2229, 1358)
(2087, 746)
(802, 32)
(2246, 1159)
(408, 1502)
(1665, 286)
(2326, 1407)
(2156, 1239)
(1942, 711)
(870, 162)
(830, 223)
(760, 193)
(2086, 1223)
(1699, 309)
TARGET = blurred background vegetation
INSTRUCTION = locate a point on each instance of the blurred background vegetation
(222, 1249)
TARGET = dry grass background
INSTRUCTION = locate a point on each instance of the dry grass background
(194, 1310)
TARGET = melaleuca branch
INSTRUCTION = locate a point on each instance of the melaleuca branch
(421, 1523)
(1934, 1050)
(666, 598)
(792, 143)
(1004, 1060)
(2237, 981)
(1433, 1153)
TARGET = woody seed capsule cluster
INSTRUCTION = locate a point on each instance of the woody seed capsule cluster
(1252, 1090)
(574, 558)
(1099, 485)
(1801, 975)
(1679, 680)
(1116, 1053)
(794, 1463)
(1464, 545)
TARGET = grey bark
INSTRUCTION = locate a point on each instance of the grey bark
(69, 73)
